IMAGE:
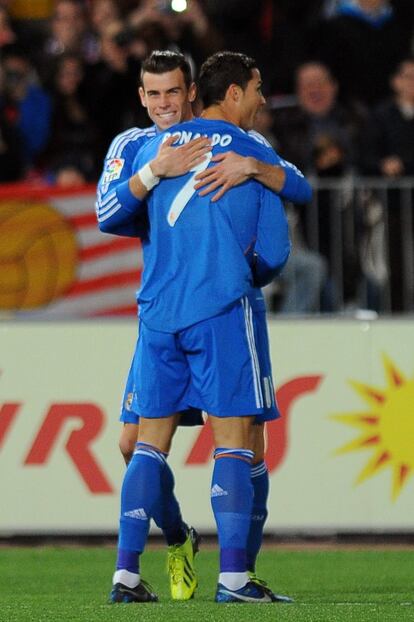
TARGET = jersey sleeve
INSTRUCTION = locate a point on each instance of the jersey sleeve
(296, 188)
(117, 210)
(272, 245)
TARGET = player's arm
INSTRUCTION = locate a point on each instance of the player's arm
(123, 203)
(170, 162)
(233, 169)
(272, 246)
(113, 215)
(295, 188)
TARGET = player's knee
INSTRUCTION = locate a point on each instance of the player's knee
(231, 431)
(258, 457)
(126, 447)
(257, 442)
(127, 441)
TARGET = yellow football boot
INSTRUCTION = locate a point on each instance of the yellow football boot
(183, 578)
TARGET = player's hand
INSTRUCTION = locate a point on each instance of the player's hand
(232, 170)
(174, 161)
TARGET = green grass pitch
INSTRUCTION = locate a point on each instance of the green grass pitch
(56, 584)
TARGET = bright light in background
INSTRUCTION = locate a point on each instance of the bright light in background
(179, 5)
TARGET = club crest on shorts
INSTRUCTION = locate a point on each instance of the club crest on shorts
(128, 401)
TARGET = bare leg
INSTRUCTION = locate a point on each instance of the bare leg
(257, 442)
(158, 432)
(127, 440)
(232, 432)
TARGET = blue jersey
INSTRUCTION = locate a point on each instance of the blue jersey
(118, 211)
(199, 255)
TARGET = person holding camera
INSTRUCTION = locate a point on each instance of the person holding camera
(26, 104)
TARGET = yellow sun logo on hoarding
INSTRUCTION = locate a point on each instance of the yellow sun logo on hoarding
(387, 428)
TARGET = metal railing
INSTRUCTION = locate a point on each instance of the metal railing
(361, 230)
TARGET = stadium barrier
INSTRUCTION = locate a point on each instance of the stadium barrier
(364, 229)
(341, 459)
(54, 262)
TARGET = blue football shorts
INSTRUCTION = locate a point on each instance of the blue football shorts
(220, 366)
(129, 414)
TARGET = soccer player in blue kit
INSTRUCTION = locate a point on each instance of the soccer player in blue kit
(124, 223)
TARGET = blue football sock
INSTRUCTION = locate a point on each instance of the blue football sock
(138, 503)
(167, 515)
(260, 482)
(231, 500)
(127, 560)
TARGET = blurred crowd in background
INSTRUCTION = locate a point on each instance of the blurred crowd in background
(339, 81)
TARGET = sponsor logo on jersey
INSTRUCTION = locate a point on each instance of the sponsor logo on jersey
(113, 170)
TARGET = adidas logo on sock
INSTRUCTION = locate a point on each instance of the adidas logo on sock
(138, 513)
(217, 491)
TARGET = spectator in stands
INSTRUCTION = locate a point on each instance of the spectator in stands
(7, 34)
(28, 21)
(26, 103)
(305, 12)
(389, 152)
(264, 125)
(68, 32)
(71, 155)
(319, 135)
(115, 78)
(102, 13)
(11, 148)
(389, 140)
(146, 30)
(299, 288)
(264, 30)
(362, 44)
(189, 31)
(123, 45)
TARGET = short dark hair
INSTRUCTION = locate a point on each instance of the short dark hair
(161, 61)
(221, 70)
(408, 60)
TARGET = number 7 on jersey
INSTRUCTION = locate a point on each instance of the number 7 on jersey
(186, 192)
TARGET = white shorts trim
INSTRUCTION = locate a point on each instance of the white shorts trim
(253, 351)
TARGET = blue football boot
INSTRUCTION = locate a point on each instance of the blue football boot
(249, 593)
(276, 598)
(142, 593)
